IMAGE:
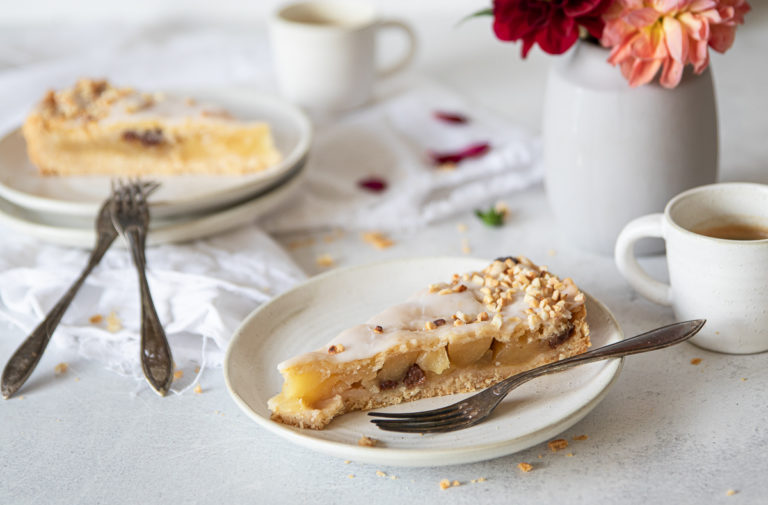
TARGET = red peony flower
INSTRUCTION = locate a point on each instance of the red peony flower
(553, 24)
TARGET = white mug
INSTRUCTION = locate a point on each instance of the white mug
(325, 52)
(723, 281)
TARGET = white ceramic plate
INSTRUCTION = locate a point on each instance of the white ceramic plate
(47, 228)
(308, 316)
(21, 184)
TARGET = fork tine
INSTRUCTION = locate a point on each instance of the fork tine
(442, 416)
(414, 415)
(406, 427)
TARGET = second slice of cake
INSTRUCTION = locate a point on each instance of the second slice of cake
(96, 128)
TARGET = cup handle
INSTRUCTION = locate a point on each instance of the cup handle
(406, 59)
(646, 226)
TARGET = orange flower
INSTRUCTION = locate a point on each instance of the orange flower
(648, 35)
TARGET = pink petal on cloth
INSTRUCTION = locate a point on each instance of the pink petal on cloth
(673, 34)
(473, 151)
(451, 117)
(373, 184)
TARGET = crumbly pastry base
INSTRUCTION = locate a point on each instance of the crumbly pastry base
(470, 354)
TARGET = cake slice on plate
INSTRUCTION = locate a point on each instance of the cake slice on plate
(454, 337)
(96, 128)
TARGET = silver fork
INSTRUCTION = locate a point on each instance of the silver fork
(130, 215)
(478, 408)
(23, 362)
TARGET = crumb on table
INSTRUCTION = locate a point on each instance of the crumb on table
(377, 239)
(525, 467)
(557, 444)
(461, 227)
(731, 492)
(96, 319)
(61, 368)
(695, 361)
(198, 389)
(324, 260)
(581, 437)
(114, 324)
(380, 473)
(178, 374)
(367, 441)
(445, 484)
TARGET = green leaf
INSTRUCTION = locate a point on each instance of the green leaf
(492, 217)
(480, 13)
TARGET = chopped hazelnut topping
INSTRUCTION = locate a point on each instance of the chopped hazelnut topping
(429, 325)
(336, 349)
(497, 321)
(525, 467)
(378, 329)
(557, 444)
(458, 322)
(483, 316)
(367, 442)
(459, 288)
(446, 291)
(434, 288)
(439, 322)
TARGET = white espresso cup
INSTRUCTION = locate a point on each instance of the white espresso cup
(325, 52)
(722, 280)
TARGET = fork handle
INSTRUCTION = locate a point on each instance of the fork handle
(655, 339)
(23, 362)
(156, 359)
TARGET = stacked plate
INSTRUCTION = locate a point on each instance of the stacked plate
(62, 209)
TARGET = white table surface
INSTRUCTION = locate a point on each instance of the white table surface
(667, 432)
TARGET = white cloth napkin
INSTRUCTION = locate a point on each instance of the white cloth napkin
(202, 290)
(391, 140)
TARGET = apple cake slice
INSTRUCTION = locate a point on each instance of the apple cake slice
(96, 128)
(464, 335)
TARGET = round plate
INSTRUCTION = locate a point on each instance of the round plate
(21, 184)
(308, 316)
(180, 230)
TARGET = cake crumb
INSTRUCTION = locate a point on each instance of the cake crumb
(461, 227)
(21, 397)
(695, 361)
(743, 379)
(324, 260)
(346, 462)
(569, 455)
(380, 473)
(298, 243)
(393, 477)
(367, 441)
(525, 467)
(541, 456)
(377, 239)
(178, 374)
(481, 479)
(465, 248)
(552, 252)
(447, 166)
(581, 437)
(456, 483)
(445, 484)
(197, 369)
(730, 492)
(61, 368)
(198, 389)
(77, 379)
(96, 319)
(557, 444)
(351, 476)
(114, 324)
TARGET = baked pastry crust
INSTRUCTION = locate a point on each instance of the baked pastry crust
(96, 128)
(460, 336)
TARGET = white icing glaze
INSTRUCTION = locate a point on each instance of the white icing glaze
(404, 322)
(165, 108)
